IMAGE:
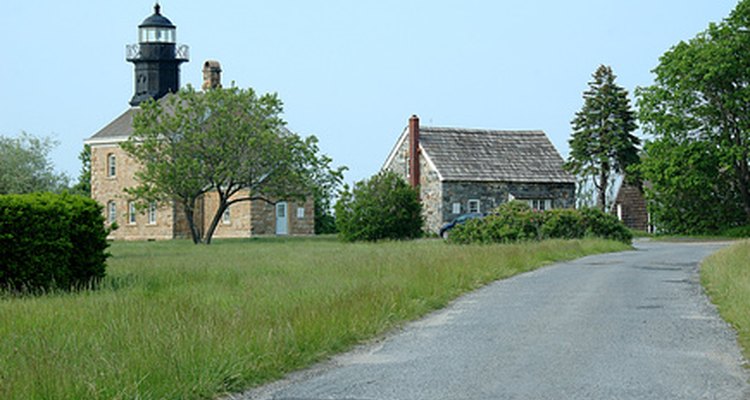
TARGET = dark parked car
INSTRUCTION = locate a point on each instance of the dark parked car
(458, 221)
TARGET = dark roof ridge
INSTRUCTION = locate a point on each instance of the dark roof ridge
(478, 130)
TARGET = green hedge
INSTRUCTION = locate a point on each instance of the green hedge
(50, 242)
(516, 221)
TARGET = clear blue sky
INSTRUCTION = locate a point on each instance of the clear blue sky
(349, 72)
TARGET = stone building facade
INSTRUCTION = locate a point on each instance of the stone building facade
(112, 171)
(473, 170)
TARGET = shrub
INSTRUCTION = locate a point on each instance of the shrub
(511, 222)
(563, 224)
(606, 226)
(737, 232)
(50, 241)
(383, 207)
(516, 221)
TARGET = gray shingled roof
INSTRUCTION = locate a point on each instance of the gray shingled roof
(119, 129)
(488, 155)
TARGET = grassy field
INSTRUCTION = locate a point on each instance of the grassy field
(726, 276)
(179, 321)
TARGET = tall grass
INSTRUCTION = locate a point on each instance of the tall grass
(726, 276)
(179, 321)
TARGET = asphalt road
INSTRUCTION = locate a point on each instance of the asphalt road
(631, 325)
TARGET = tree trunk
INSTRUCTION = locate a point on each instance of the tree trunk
(189, 215)
(743, 175)
(601, 199)
(215, 220)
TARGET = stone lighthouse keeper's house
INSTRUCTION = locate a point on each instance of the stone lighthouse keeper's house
(157, 59)
(462, 171)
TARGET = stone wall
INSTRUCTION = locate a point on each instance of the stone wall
(493, 194)
(430, 187)
(398, 165)
(263, 217)
(246, 218)
(306, 224)
(238, 224)
(431, 193)
(105, 189)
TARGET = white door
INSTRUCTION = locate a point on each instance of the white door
(282, 225)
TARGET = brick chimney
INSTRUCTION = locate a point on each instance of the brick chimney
(211, 75)
(414, 151)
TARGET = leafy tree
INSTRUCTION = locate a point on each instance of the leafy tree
(603, 142)
(83, 187)
(325, 220)
(702, 94)
(230, 142)
(25, 166)
(688, 187)
(383, 207)
(327, 183)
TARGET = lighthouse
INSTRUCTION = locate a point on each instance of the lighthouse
(156, 58)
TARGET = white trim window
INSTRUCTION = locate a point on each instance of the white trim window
(131, 213)
(456, 208)
(300, 212)
(540, 204)
(226, 217)
(152, 213)
(474, 206)
(111, 165)
(111, 211)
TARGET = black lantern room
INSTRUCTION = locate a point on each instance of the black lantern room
(157, 58)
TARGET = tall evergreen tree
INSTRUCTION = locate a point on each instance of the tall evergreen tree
(603, 142)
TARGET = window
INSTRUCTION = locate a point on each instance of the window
(474, 206)
(540, 204)
(456, 208)
(131, 213)
(408, 166)
(152, 213)
(300, 212)
(111, 212)
(111, 165)
(226, 218)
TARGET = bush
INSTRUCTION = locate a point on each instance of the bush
(511, 222)
(383, 207)
(516, 221)
(737, 232)
(563, 224)
(50, 241)
(605, 226)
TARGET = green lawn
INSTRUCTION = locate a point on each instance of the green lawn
(726, 276)
(179, 321)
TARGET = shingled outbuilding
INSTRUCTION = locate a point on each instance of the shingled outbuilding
(631, 208)
(462, 171)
